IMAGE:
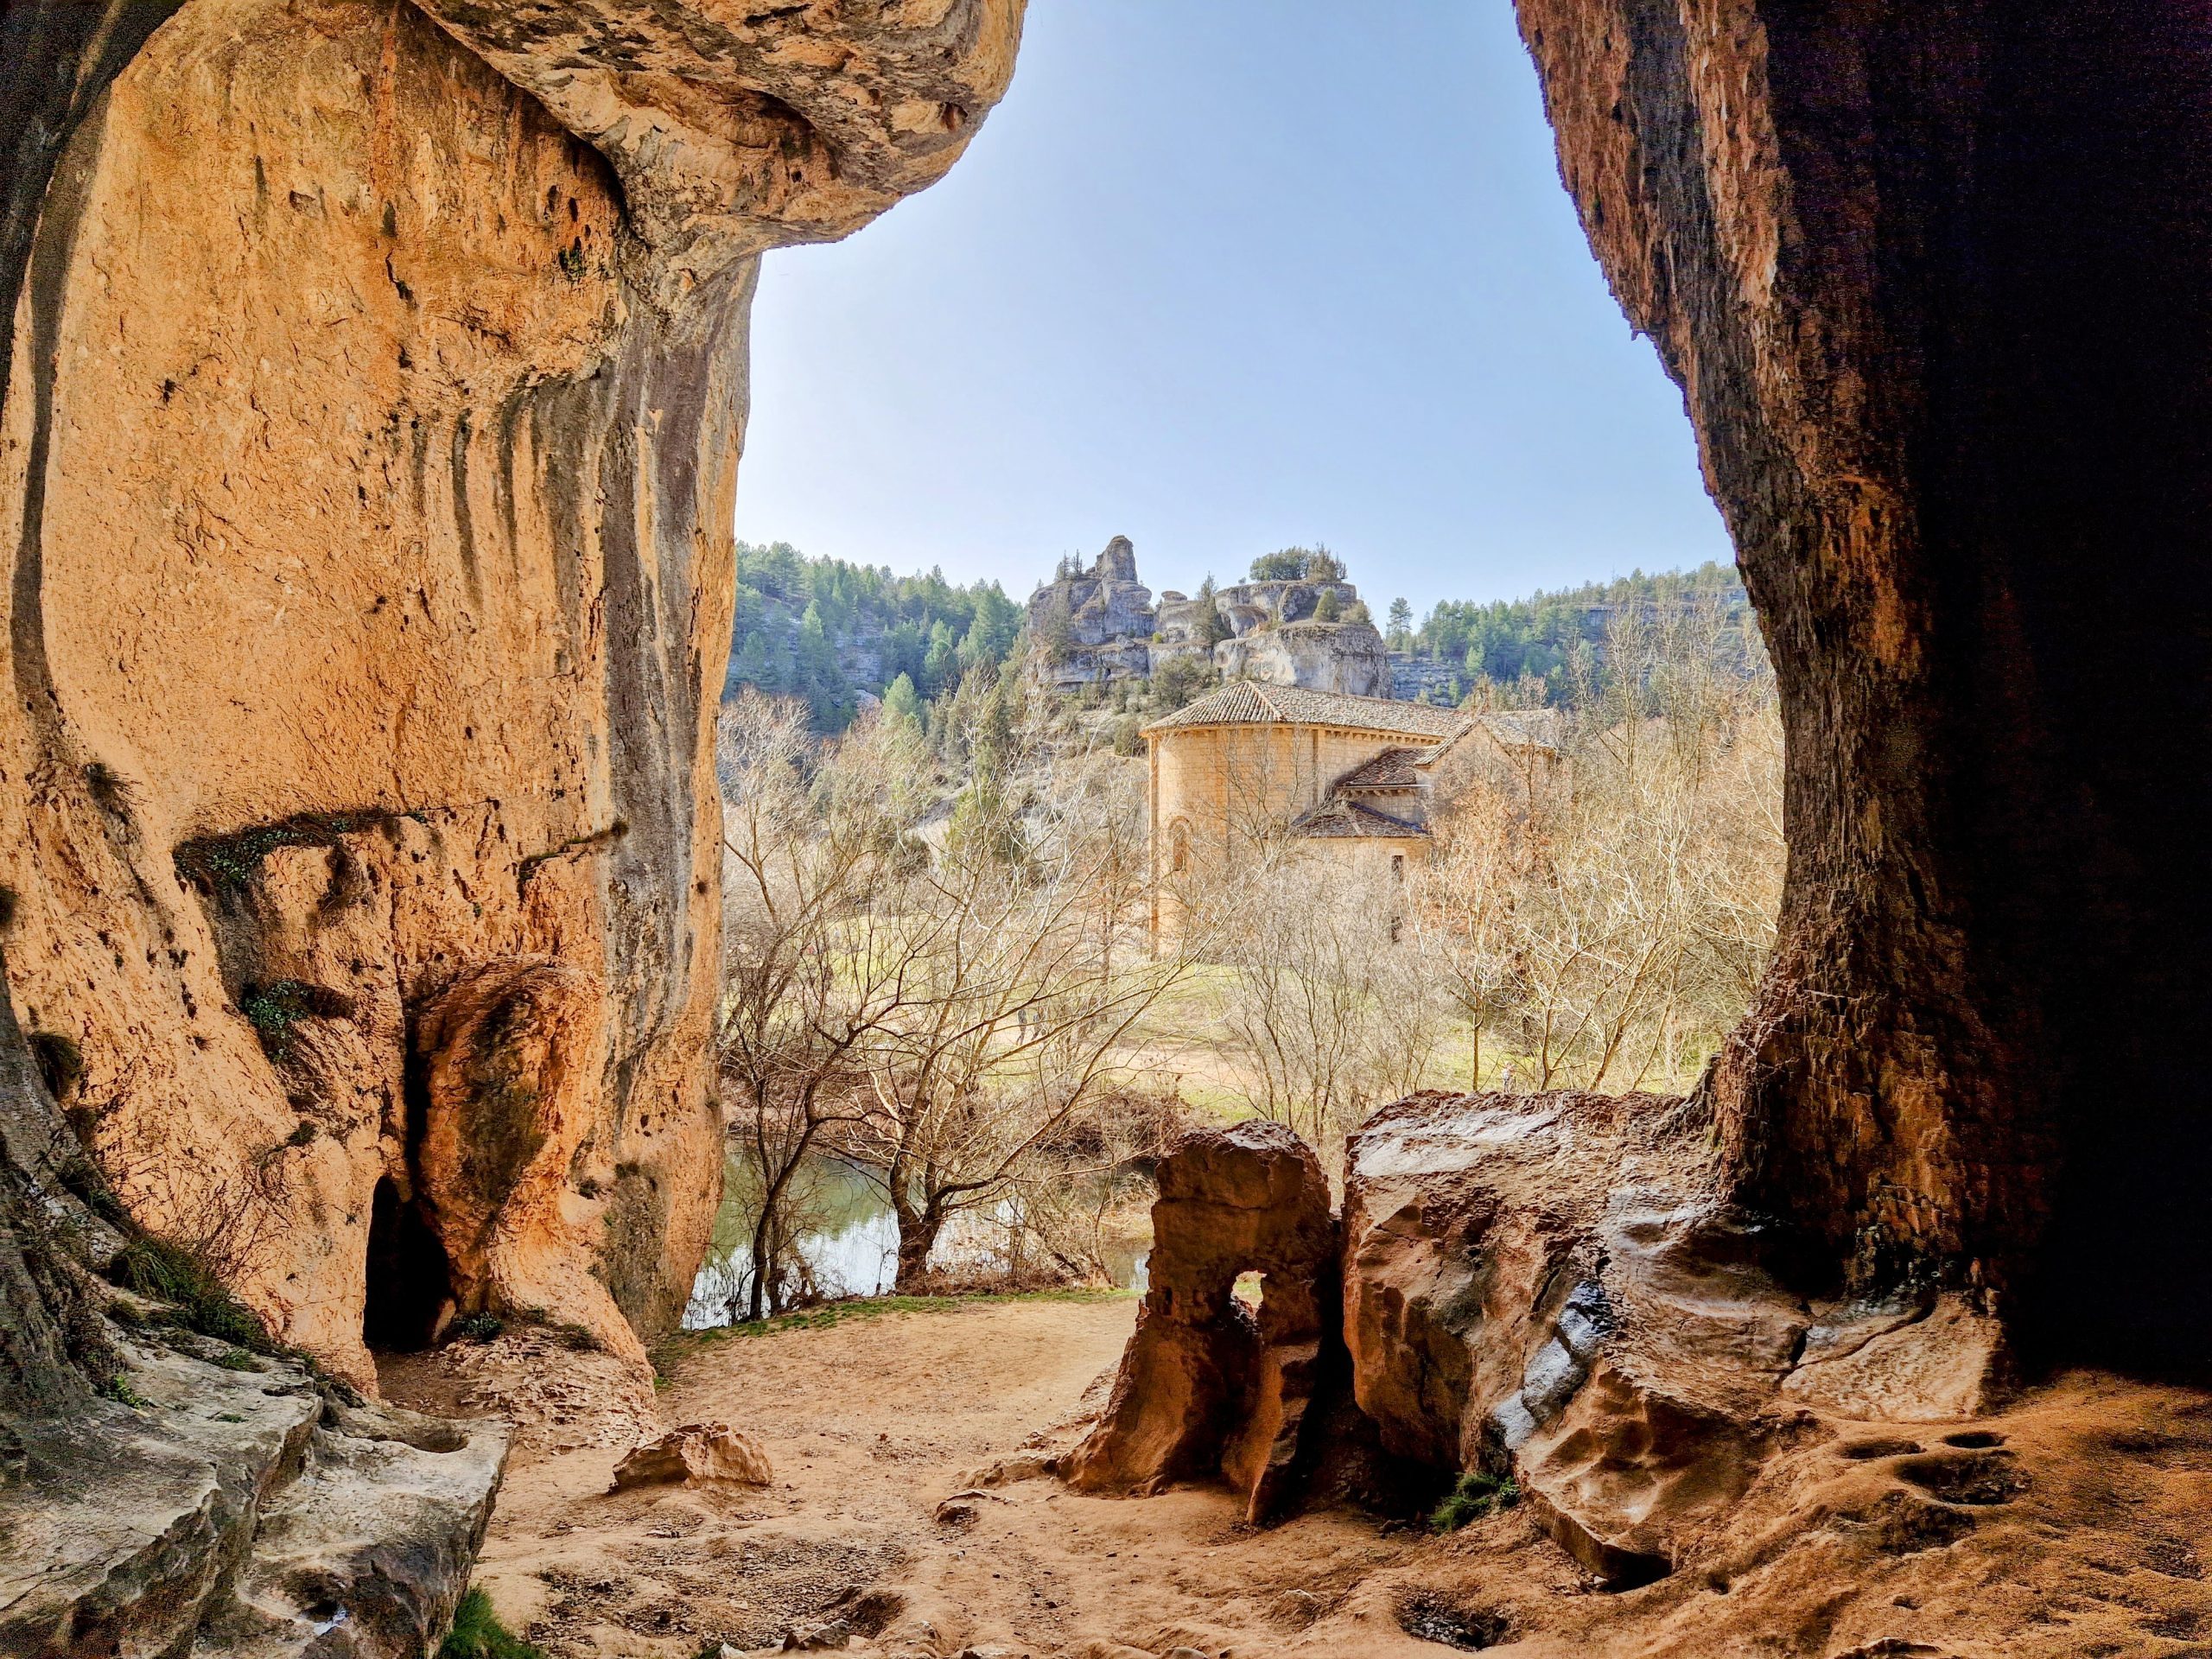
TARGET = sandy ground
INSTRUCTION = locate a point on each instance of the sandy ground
(2078, 1524)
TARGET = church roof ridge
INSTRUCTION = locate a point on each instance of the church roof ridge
(1253, 702)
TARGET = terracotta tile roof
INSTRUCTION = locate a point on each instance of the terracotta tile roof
(1340, 817)
(1392, 769)
(1247, 703)
(1535, 728)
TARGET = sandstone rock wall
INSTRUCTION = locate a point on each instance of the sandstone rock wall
(1931, 280)
(375, 386)
(1550, 1290)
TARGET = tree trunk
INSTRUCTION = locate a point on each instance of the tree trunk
(1933, 279)
(763, 1234)
(918, 1227)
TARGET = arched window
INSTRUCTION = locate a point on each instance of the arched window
(1179, 848)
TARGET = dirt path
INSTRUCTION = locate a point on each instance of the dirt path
(871, 1424)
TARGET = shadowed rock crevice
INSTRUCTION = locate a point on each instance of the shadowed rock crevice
(1930, 281)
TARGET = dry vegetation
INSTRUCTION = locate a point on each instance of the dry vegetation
(940, 987)
(939, 970)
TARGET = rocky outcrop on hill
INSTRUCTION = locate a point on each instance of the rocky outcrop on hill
(1095, 624)
(1099, 626)
(373, 395)
(1345, 656)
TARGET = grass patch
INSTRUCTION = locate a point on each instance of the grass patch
(478, 1634)
(1476, 1497)
(169, 1273)
(117, 1388)
(612, 833)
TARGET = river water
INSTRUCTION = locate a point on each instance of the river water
(853, 1247)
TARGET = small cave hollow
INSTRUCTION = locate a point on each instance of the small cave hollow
(410, 1279)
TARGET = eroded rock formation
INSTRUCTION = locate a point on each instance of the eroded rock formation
(1555, 1290)
(373, 392)
(1343, 657)
(1208, 1387)
(1096, 622)
(1931, 281)
(162, 1490)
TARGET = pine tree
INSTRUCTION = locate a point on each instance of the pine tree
(941, 666)
(1401, 625)
(902, 702)
(816, 675)
(1213, 627)
(755, 664)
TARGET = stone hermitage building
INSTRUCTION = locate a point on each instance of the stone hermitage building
(1353, 780)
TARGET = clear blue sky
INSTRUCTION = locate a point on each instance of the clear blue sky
(1221, 276)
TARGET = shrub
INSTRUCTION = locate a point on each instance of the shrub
(477, 1327)
(276, 1007)
(154, 1267)
(1476, 1497)
(476, 1633)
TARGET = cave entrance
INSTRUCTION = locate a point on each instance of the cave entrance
(409, 1281)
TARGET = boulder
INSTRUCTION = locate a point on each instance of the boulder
(1207, 1386)
(696, 1452)
(1555, 1286)
(241, 1513)
(512, 1053)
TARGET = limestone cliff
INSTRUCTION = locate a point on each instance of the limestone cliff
(1093, 622)
(1341, 657)
(373, 394)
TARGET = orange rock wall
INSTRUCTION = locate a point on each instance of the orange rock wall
(371, 442)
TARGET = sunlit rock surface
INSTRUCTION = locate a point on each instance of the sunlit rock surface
(374, 392)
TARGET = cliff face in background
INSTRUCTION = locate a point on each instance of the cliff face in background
(374, 392)
(1931, 280)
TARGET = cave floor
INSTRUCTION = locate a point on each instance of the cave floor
(2083, 1531)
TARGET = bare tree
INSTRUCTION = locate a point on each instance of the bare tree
(1018, 1011)
(1616, 927)
(811, 841)
(1329, 1015)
